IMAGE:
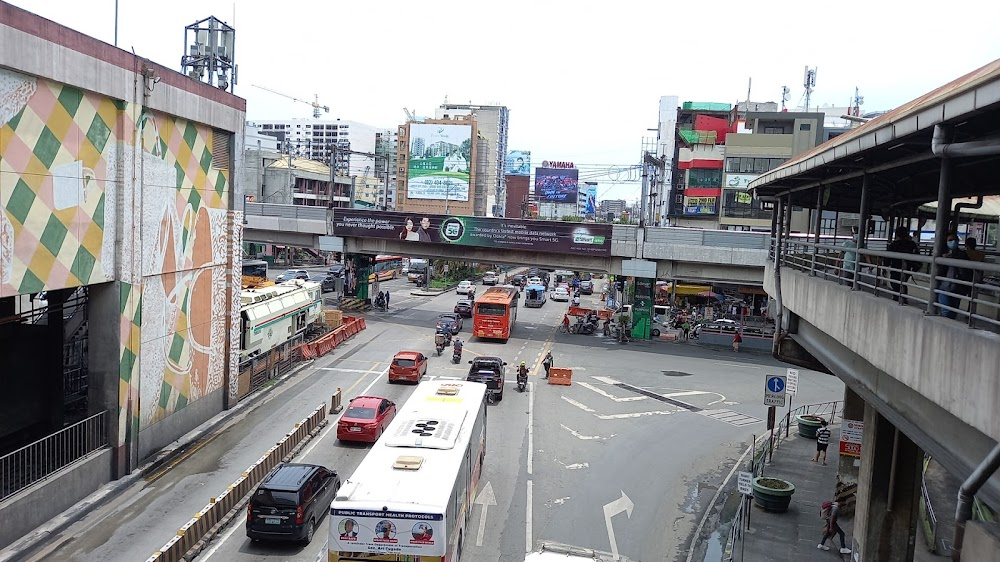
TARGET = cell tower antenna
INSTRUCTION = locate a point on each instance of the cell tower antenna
(809, 83)
(786, 94)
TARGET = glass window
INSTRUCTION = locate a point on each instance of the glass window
(360, 413)
(805, 126)
(490, 309)
(275, 498)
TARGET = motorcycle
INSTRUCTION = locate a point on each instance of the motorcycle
(439, 343)
(456, 355)
(522, 381)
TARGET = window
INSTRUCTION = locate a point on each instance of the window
(751, 165)
(805, 126)
(774, 130)
(298, 126)
(704, 178)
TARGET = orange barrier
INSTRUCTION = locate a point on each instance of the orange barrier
(563, 377)
(329, 341)
(603, 314)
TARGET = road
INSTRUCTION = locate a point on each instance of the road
(630, 454)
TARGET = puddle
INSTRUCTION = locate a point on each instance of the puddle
(691, 500)
(713, 548)
(676, 374)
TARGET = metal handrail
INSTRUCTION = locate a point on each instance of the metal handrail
(38, 461)
(932, 518)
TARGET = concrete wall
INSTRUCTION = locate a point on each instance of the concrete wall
(40, 503)
(170, 429)
(951, 365)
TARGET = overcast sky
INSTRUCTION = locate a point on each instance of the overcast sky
(582, 84)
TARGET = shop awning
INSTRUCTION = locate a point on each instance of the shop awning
(685, 289)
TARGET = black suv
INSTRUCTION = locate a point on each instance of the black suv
(490, 371)
(290, 502)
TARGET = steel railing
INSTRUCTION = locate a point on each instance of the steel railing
(925, 497)
(38, 461)
(909, 279)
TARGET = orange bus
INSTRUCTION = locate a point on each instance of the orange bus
(494, 313)
(385, 267)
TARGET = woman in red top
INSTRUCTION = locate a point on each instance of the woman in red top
(737, 339)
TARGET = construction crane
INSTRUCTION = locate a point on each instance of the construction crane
(409, 116)
(315, 104)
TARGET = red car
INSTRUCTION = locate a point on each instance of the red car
(408, 366)
(365, 419)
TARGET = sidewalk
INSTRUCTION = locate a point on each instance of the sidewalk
(793, 535)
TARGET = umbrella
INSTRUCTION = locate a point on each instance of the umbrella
(707, 294)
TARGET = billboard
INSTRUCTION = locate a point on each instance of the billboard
(412, 534)
(519, 163)
(590, 205)
(539, 236)
(556, 185)
(701, 205)
(739, 181)
(440, 162)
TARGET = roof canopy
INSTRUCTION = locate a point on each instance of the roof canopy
(894, 150)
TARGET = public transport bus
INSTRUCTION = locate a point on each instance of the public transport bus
(386, 267)
(411, 498)
(417, 270)
(494, 313)
(254, 273)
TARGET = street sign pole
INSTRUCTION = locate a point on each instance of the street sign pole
(770, 444)
(788, 416)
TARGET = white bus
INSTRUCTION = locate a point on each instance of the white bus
(411, 497)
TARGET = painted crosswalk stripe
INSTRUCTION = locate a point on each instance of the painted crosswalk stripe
(606, 394)
(730, 417)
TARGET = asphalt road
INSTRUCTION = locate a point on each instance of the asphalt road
(628, 457)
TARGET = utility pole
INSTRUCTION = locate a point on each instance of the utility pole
(647, 161)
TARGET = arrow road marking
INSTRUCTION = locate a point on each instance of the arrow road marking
(485, 499)
(612, 509)
(578, 435)
(590, 410)
(606, 394)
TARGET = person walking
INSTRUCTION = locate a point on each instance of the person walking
(565, 323)
(686, 329)
(737, 340)
(830, 512)
(900, 269)
(387, 300)
(822, 441)
(547, 363)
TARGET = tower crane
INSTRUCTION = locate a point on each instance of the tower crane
(315, 104)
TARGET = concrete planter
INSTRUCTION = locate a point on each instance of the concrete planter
(772, 494)
(808, 425)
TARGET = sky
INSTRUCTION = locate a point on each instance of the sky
(582, 84)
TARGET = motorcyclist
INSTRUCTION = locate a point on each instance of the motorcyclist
(457, 346)
(576, 300)
(522, 371)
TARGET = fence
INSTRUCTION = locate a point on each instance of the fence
(972, 294)
(762, 452)
(43, 458)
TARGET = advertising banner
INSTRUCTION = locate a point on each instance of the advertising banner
(590, 209)
(390, 532)
(539, 236)
(519, 163)
(556, 185)
(701, 205)
(851, 432)
(739, 181)
(440, 160)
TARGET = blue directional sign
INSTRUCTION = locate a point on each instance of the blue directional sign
(774, 390)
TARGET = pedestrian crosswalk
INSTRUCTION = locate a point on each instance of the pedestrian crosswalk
(730, 417)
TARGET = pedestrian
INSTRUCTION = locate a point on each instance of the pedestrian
(565, 322)
(822, 441)
(547, 363)
(950, 278)
(899, 270)
(830, 512)
(387, 300)
(737, 340)
(686, 328)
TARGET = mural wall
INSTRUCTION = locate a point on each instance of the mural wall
(69, 160)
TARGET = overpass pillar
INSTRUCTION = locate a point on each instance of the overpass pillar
(849, 466)
(888, 493)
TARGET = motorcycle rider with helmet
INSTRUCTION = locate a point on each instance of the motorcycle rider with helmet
(522, 374)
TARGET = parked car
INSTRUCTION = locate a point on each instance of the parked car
(326, 280)
(492, 371)
(560, 294)
(408, 366)
(463, 287)
(463, 308)
(490, 278)
(290, 502)
(290, 274)
(452, 322)
(365, 418)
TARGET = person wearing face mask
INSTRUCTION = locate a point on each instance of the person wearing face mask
(949, 276)
(849, 257)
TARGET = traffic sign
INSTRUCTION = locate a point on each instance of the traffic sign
(774, 390)
(792, 387)
(745, 483)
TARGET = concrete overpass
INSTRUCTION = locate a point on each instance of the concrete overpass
(662, 252)
(919, 357)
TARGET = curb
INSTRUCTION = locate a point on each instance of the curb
(25, 545)
(419, 293)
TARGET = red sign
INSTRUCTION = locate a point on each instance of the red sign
(554, 164)
(850, 449)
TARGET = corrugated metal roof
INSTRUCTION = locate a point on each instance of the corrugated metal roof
(303, 164)
(990, 208)
(890, 126)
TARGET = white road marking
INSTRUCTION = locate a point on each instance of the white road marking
(578, 435)
(606, 394)
(740, 365)
(557, 501)
(610, 510)
(633, 415)
(333, 423)
(531, 428)
(529, 544)
(485, 499)
(578, 405)
(606, 380)
(221, 541)
(342, 370)
(577, 465)
(687, 393)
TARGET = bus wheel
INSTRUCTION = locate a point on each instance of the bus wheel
(654, 332)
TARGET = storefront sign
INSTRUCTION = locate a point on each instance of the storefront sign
(740, 181)
(851, 432)
(701, 205)
(554, 164)
(533, 235)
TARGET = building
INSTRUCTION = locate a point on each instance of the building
(301, 181)
(492, 124)
(436, 170)
(518, 197)
(612, 208)
(666, 149)
(763, 143)
(702, 128)
(387, 146)
(316, 139)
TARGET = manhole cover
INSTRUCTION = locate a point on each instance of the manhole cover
(676, 374)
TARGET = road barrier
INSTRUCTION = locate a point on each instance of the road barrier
(559, 376)
(335, 402)
(197, 527)
(329, 341)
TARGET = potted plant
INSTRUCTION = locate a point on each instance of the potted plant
(772, 494)
(808, 424)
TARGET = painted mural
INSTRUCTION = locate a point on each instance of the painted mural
(68, 156)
